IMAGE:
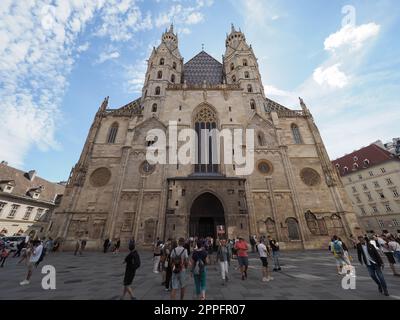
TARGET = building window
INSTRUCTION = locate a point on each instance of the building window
(395, 193)
(158, 91)
(154, 108)
(2, 206)
(366, 163)
(13, 211)
(159, 74)
(162, 61)
(381, 195)
(174, 65)
(233, 78)
(247, 75)
(293, 229)
(296, 134)
(355, 166)
(354, 189)
(112, 133)
(252, 104)
(363, 211)
(38, 214)
(368, 194)
(176, 203)
(371, 174)
(28, 213)
(183, 192)
(381, 223)
(374, 209)
(365, 187)
(376, 184)
(245, 63)
(388, 208)
(249, 88)
(173, 78)
(232, 66)
(389, 181)
(396, 222)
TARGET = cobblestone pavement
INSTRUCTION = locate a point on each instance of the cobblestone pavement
(309, 275)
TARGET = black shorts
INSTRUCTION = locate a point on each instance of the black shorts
(264, 261)
(390, 257)
(128, 279)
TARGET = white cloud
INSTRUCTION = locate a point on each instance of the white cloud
(351, 36)
(105, 56)
(195, 18)
(331, 76)
(83, 47)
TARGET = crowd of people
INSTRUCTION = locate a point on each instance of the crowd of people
(370, 251)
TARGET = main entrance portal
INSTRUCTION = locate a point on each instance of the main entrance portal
(206, 214)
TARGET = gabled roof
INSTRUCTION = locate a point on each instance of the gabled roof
(203, 67)
(355, 160)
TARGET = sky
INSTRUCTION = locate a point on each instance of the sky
(60, 59)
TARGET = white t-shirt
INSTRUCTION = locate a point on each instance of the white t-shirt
(262, 250)
(37, 252)
(394, 246)
(382, 245)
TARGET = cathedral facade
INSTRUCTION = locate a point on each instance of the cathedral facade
(293, 194)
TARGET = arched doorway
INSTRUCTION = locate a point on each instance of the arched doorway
(206, 214)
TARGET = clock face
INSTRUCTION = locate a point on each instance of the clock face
(147, 168)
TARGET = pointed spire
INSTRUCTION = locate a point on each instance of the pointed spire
(171, 28)
(233, 28)
(104, 104)
(303, 106)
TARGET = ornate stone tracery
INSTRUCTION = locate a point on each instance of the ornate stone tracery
(310, 177)
(205, 114)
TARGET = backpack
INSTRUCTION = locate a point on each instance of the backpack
(177, 264)
(136, 260)
(199, 267)
(337, 248)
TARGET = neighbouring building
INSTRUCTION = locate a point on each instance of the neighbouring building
(294, 194)
(371, 177)
(27, 202)
(392, 146)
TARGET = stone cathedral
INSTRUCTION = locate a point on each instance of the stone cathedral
(293, 194)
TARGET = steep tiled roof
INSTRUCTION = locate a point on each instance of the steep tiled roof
(23, 184)
(202, 68)
(362, 159)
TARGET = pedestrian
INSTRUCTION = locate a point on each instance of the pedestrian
(132, 261)
(25, 253)
(3, 256)
(36, 253)
(106, 245)
(42, 255)
(83, 246)
(382, 244)
(156, 256)
(368, 255)
(117, 246)
(337, 250)
(180, 262)
(253, 244)
(49, 245)
(274, 245)
(242, 256)
(132, 242)
(263, 252)
(224, 258)
(164, 261)
(199, 270)
(394, 246)
(77, 246)
(20, 246)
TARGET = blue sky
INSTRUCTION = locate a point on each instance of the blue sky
(59, 59)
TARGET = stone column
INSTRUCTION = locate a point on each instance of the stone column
(250, 206)
(139, 206)
(274, 209)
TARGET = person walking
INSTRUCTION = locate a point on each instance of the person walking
(132, 261)
(132, 242)
(394, 246)
(242, 256)
(263, 252)
(3, 256)
(20, 246)
(156, 256)
(36, 253)
(224, 258)
(83, 246)
(274, 245)
(106, 245)
(253, 244)
(337, 250)
(199, 270)
(382, 244)
(77, 246)
(117, 246)
(368, 255)
(180, 262)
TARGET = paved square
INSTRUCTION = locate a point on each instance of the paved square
(309, 275)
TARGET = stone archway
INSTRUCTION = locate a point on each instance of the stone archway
(206, 213)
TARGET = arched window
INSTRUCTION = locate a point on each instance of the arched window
(245, 63)
(366, 163)
(162, 61)
(112, 133)
(345, 170)
(247, 75)
(158, 91)
(312, 223)
(249, 88)
(252, 104)
(233, 78)
(296, 134)
(173, 78)
(204, 121)
(293, 229)
(261, 139)
(159, 74)
(174, 65)
(355, 166)
(154, 108)
(232, 66)
(270, 226)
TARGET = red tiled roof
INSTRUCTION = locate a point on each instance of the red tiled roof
(355, 160)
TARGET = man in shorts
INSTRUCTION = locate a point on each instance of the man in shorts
(243, 258)
(179, 260)
(35, 256)
(263, 252)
